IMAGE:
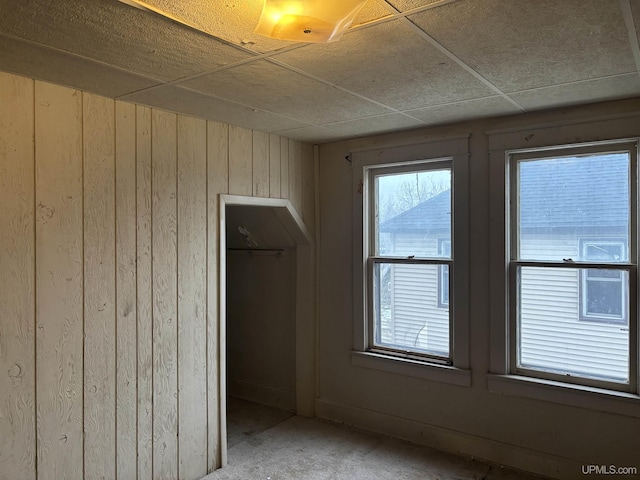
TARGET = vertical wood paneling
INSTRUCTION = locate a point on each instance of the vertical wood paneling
(144, 294)
(295, 174)
(217, 182)
(192, 297)
(126, 400)
(284, 167)
(164, 265)
(109, 239)
(308, 187)
(59, 332)
(99, 287)
(240, 161)
(260, 164)
(17, 316)
(274, 166)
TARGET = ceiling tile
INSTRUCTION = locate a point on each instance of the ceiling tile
(404, 5)
(312, 134)
(182, 100)
(461, 111)
(372, 10)
(521, 45)
(119, 35)
(43, 63)
(379, 124)
(635, 11)
(266, 86)
(390, 64)
(602, 89)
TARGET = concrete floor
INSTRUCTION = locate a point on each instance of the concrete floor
(269, 444)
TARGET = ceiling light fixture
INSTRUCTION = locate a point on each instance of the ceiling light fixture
(314, 21)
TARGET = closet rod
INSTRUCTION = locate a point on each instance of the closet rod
(278, 252)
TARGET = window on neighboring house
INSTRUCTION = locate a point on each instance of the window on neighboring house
(602, 292)
(408, 263)
(570, 300)
(444, 250)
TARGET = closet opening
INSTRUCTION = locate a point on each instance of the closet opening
(267, 328)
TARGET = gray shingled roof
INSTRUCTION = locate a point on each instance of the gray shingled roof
(432, 215)
(575, 194)
(571, 195)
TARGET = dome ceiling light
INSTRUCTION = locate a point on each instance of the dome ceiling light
(313, 21)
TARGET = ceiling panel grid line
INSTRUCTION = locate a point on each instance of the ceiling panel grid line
(460, 63)
(331, 84)
(254, 58)
(627, 14)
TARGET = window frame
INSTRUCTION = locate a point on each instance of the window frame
(373, 259)
(513, 263)
(456, 150)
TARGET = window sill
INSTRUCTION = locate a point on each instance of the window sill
(591, 398)
(412, 368)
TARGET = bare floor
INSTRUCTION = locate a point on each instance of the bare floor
(270, 444)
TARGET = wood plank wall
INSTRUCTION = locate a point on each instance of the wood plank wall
(109, 284)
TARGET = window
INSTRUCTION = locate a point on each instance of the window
(408, 255)
(602, 295)
(572, 214)
(444, 250)
(410, 211)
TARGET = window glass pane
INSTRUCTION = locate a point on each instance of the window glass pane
(444, 250)
(565, 199)
(604, 297)
(444, 285)
(553, 336)
(407, 316)
(599, 251)
(413, 213)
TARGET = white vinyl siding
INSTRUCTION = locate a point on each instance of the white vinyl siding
(549, 335)
(550, 305)
(550, 247)
(417, 321)
(416, 244)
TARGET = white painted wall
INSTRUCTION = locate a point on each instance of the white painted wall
(538, 435)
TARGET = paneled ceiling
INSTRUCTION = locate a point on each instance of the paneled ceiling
(402, 65)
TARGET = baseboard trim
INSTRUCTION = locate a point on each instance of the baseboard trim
(452, 441)
(262, 394)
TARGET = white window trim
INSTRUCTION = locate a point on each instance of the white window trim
(499, 379)
(456, 149)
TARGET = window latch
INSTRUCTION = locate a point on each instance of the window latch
(567, 260)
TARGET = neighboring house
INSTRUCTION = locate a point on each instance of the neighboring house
(569, 317)
(417, 305)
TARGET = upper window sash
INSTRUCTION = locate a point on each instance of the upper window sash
(518, 158)
(374, 174)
